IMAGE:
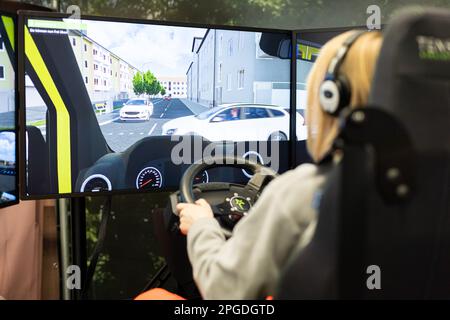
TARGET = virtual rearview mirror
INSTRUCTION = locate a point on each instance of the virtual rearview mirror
(276, 45)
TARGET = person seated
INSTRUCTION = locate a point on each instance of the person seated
(283, 220)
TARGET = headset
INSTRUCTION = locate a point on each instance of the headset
(335, 91)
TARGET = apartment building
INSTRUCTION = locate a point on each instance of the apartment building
(107, 76)
(7, 81)
(175, 86)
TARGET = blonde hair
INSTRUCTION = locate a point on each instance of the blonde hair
(357, 67)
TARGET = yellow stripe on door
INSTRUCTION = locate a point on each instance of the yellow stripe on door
(62, 115)
(9, 26)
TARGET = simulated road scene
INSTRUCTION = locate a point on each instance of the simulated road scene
(121, 134)
(173, 72)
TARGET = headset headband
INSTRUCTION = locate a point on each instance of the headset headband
(342, 52)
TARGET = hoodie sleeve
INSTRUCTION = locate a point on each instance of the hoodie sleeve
(247, 265)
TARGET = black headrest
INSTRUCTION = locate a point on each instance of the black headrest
(412, 78)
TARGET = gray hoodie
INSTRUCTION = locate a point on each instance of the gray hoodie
(248, 265)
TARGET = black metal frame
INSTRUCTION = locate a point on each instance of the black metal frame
(16, 111)
(78, 239)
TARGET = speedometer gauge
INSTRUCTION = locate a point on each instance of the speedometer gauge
(96, 183)
(202, 177)
(149, 178)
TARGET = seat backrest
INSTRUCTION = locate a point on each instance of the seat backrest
(363, 241)
(38, 179)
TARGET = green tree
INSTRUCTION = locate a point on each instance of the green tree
(163, 91)
(138, 84)
(263, 13)
(150, 83)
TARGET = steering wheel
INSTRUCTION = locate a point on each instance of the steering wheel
(229, 201)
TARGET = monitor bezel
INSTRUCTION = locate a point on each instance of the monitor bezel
(16, 111)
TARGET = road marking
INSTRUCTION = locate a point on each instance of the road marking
(131, 133)
(109, 121)
(153, 128)
(158, 101)
(162, 114)
(121, 134)
(141, 133)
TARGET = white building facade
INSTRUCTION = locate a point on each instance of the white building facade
(229, 66)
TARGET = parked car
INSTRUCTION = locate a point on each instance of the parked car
(168, 97)
(136, 109)
(236, 122)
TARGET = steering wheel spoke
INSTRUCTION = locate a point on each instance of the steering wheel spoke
(229, 202)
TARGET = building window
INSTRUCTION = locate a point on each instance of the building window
(85, 63)
(94, 52)
(230, 47)
(219, 76)
(86, 80)
(110, 60)
(220, 45)
(2, 72)
(229, 82)
(85, 48)
(111, 72)
(2, 46)
(241, 41)
(96, 81)
(104, 70)
(74, 42)
(95, 66)
(241, 74)
(104, 83)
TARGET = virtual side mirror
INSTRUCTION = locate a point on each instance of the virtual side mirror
(7, 167)
(217, 119)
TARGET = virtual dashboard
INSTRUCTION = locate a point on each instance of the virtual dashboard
(139, 169)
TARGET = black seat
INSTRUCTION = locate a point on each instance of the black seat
(386, 204)
(38, 179)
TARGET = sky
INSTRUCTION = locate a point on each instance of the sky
(7, 146)
(164, 50)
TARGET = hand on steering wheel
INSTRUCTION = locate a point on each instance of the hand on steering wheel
(229, 202)
(189, 213)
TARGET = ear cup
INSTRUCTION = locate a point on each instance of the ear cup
(334, 95)
(335, 90)
(329, 96)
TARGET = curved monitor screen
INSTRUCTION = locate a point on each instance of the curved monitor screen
(120, 105)
(8, 129)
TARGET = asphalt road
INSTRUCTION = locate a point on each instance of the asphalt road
(121, 135)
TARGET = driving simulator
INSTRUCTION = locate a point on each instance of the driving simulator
(163, 160)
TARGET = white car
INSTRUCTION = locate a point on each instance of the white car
(237, 122)
(136, 109)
